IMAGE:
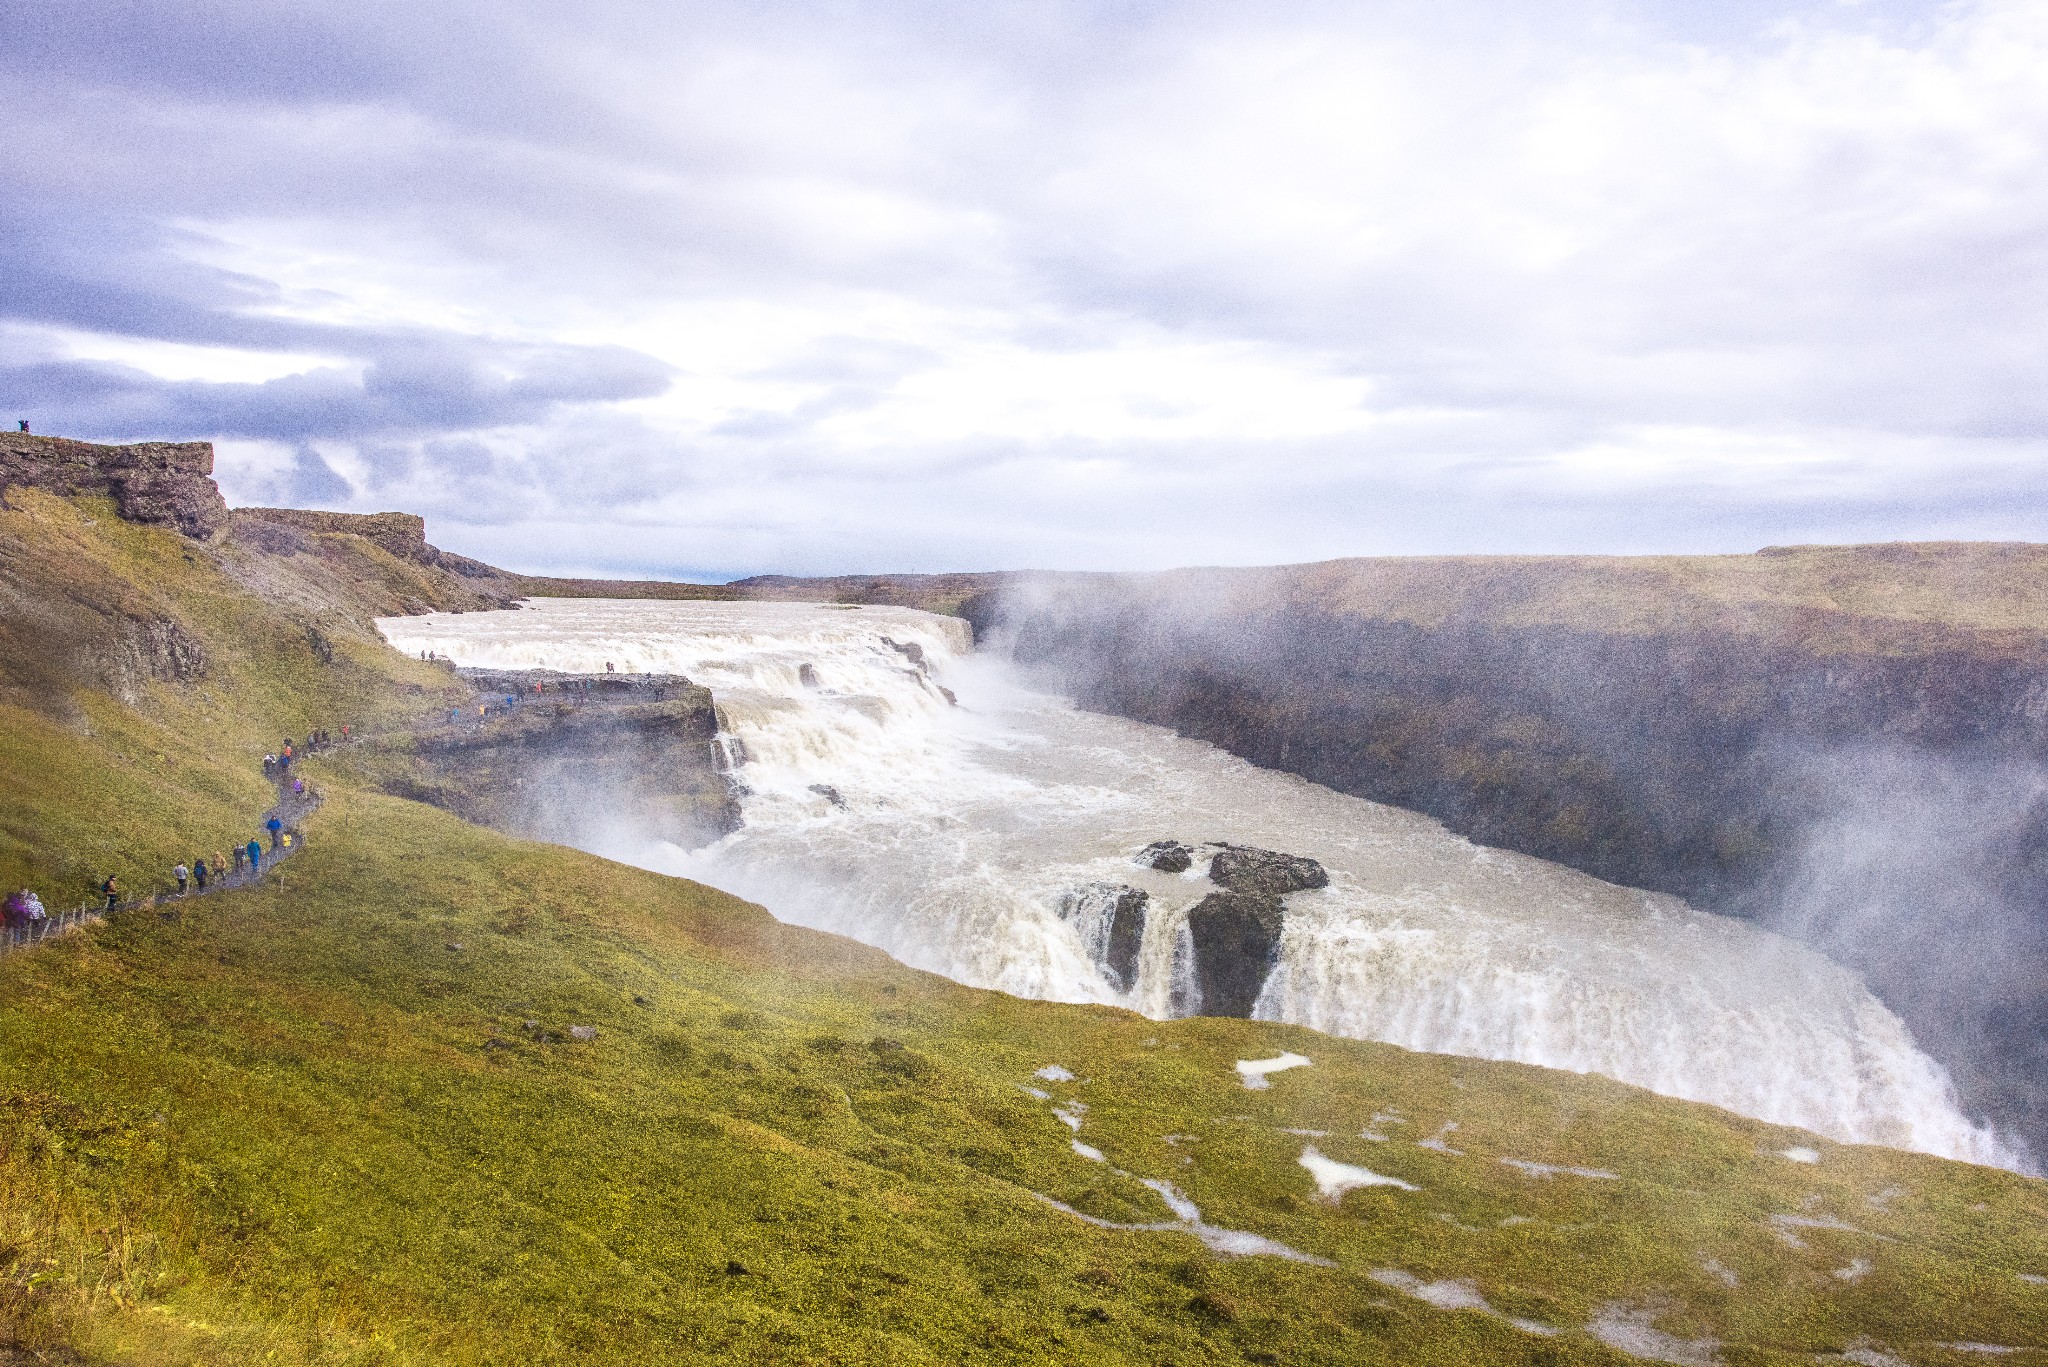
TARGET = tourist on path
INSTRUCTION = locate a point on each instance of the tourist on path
(199, 872)
(255, 853)
(273, 826)
(220, 867)
(183, 875)
(241, 860)
(111, 890)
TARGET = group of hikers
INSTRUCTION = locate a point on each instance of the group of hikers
(23, 917)
(576, 691)
(249, 856)
(279, 765)
(23, 910)
(243, 862)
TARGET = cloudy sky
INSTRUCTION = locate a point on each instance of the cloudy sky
(719, 288)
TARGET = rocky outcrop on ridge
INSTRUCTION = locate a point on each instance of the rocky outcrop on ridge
(156, 482)
(401, 534)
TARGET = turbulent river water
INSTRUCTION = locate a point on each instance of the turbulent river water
(955, 836)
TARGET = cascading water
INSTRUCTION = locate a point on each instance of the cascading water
(986, 841)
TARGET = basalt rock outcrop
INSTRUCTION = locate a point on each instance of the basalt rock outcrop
(1110, 919)
(592, 760)
(1236, 930)
(155, 482)
(1237, 942)
(1168, 856)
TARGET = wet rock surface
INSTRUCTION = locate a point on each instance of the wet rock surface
(1168, 856)
(1264, 873)
(1237, 941)
(1235, 930)
(1126, 936)
(1110, 918)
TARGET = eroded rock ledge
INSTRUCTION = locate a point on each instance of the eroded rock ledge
(591, 760)
(156, 482)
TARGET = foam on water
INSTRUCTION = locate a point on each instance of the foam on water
(955, 837)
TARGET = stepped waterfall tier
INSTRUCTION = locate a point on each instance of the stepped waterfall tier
(901, 789)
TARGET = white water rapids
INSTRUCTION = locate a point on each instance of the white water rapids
(952, 836)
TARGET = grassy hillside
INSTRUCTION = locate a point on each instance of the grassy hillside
(349, 1117)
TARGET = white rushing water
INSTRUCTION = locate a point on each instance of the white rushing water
(953, 837)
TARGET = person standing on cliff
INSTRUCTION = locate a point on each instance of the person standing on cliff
(24, 424)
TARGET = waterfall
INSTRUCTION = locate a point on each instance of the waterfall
(900, 789)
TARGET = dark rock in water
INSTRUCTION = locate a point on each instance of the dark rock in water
(807, 675)
(1237, 940)
(947, 694)
(909, 650)
(830, 794)
(1126, 935)
(1168, 856)
(1111, 921)
(1264, 873)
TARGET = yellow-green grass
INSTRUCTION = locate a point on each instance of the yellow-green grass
(295, 1120)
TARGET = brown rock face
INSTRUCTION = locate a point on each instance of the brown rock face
(159, 482)
(590, 761)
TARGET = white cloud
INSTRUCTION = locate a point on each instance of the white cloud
(1000, 287)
